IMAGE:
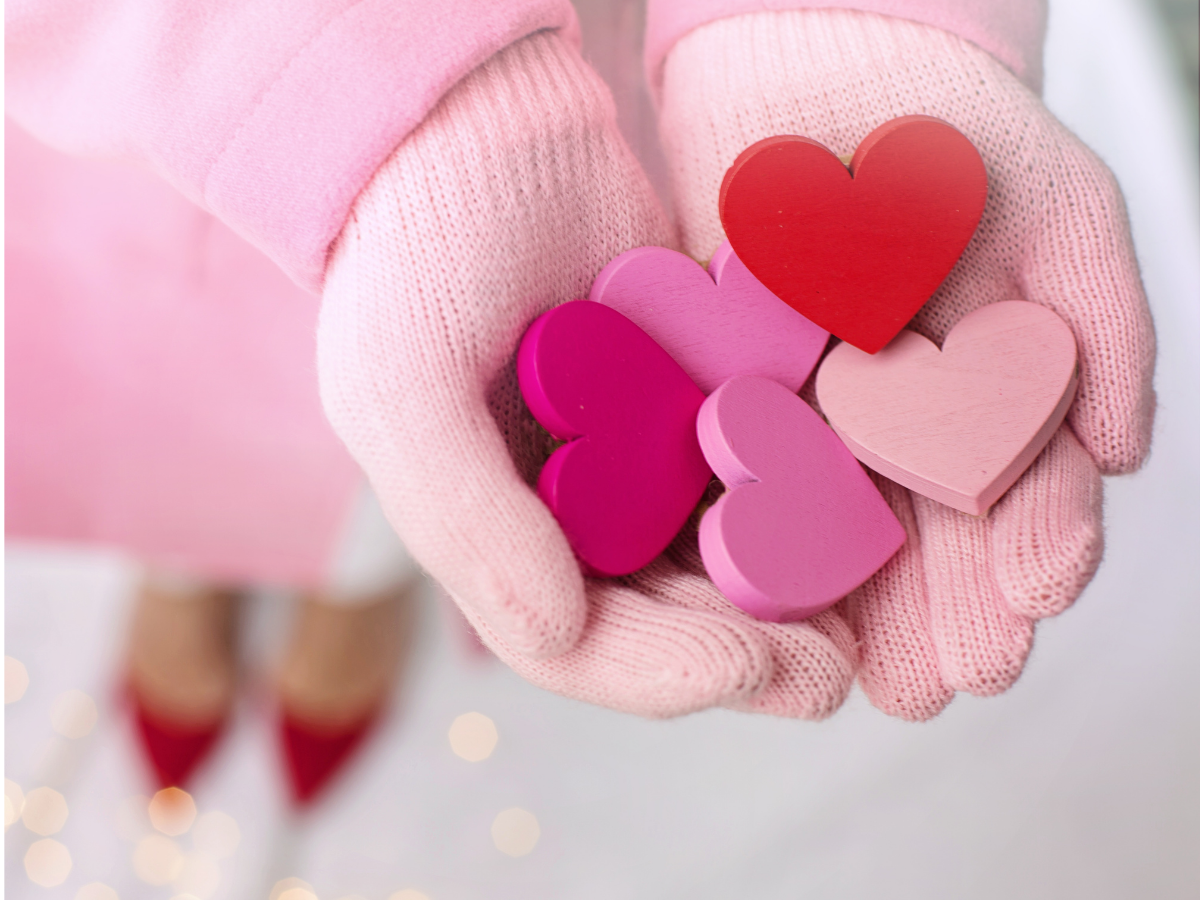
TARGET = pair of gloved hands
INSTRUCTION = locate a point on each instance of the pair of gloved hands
(518, 189)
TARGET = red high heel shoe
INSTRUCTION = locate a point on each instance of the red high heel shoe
(314, 755)
(180, 679)
(322, 724)
(174, 750)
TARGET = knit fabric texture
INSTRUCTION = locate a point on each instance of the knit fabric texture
(955, 608)
(1010, 30)
(273, 117)
(507, 200)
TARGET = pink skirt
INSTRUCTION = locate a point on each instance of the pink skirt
(160, 381)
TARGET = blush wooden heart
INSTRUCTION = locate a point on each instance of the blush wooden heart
(857, 251)
(801, 525)
(632, 471)
(716, 324)
(961, 424)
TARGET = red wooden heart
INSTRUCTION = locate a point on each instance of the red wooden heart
(856, 251)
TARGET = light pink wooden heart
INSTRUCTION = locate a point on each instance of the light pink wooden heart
(716, 324)
(961, 424)
(801, 525)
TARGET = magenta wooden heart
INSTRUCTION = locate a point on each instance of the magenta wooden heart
(633, 471)
(961, 424)
(716, 324)
(801, 525)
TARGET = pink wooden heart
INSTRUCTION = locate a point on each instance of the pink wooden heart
(801, 525)
(633, 471)
(716, 324)
(961, 424)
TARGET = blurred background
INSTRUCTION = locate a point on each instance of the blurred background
(1081, 781)
(1181, 22)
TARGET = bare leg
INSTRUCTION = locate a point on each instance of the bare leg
(182, 666)
(343, 659)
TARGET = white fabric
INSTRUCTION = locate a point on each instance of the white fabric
(1080, 782)
(369, 557)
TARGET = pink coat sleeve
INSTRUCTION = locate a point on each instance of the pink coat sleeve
(272, 115)
(1011, 30)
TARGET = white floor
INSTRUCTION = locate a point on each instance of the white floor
(1080, 782)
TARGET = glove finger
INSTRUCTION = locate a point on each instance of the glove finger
(899, 670)
(509, 198)
(814, 669)
(1082, 265)
(640, 656)
(981, 643)
(442, 471)
(814, 660)
(1048, 530)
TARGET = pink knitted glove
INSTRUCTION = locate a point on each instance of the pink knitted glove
(508, 199)
(955, 609)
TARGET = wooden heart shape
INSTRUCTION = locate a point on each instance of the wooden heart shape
(857, 251)
(960, 424)
(716, 324)
(801, 525)
(632, 471)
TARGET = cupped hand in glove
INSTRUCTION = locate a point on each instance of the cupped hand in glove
(509, 199)
(955, 608)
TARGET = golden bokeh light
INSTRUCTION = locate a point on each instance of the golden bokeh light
(515, 831)
(200, 876)
(157, 860)
(16, 680)
(73, 714)
(47, 862)
(409, 894)
(473, 736)
(172, 811)
(14, 802)
(283, 890)
(45, 811)
(217, 834)
(96, 891)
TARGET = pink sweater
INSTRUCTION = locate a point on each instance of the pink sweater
(161, 390)
(274, 116)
